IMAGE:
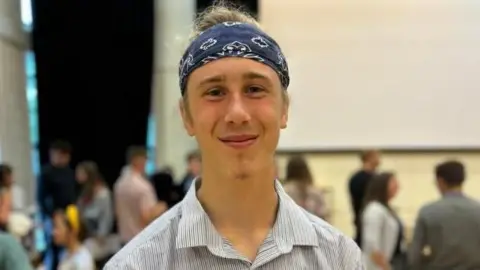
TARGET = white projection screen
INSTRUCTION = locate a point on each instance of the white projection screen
(387, 74)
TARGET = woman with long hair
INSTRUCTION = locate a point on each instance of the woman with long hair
(382, 245)
(300, 187)
(95, 206)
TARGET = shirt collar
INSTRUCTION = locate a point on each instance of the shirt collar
(128, 173)
(453, 193)
(292, 226)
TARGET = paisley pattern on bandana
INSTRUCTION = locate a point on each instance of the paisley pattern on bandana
(233, 39)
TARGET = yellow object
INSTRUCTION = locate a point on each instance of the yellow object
(73, 217)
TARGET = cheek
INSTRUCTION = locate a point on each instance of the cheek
(80, 177)
(394, 189)
(270, 116)
(204, 119)
(58, 235)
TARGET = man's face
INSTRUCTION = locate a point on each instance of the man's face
(139, 162)
(374, 159)
(194, 166)
(235, 110)
(59, 158)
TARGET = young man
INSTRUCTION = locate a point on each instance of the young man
(233, 79)
(447, 232)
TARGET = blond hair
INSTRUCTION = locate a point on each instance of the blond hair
(220, 12)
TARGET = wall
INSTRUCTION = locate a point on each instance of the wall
(414, 170)
(350, 60)
(14, 126)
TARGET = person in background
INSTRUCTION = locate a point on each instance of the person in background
(85, 171)
(300, 186)
(165, 187)
(383, 232)
(194, 165)
(168, 170)
(15, 192)
(57, 188)
(12, 255)
(6, 182)
(357, 186)
(136, 203)
(447, 231)
(96, 210)
(69, 233)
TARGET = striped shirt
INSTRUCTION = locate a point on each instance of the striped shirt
(184, 238)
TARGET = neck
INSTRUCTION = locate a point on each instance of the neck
(239, 204)
(136, 169)
(452, 190)
(96, 187)
(59, 165)
(368, 168)
(73, 247)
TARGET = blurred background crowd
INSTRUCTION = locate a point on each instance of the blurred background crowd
(383, 123)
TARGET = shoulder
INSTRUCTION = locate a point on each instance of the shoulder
(315, 191)
(8, 240)
(123, 182)
(46, 170)
(355, 175)
(335, 244)
(474, 202)
(290, 187)
(13, 256)
(374, 205)
(375, 211)
(374, 208)
(154, 241)
(104, 194)
(430, 208)
(83, 259)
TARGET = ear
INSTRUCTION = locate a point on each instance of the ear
(186, 117)
(285, 107)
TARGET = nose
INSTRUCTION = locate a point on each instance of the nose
(237, 110)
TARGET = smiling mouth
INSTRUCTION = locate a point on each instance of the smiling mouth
(239, 141)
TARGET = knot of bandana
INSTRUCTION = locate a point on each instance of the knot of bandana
(233, 39)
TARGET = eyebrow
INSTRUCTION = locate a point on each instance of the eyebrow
(220, 78)
(212, 79)
(255, 75)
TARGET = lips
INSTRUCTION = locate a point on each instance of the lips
(239, 141)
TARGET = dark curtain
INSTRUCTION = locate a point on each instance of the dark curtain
(94, 72)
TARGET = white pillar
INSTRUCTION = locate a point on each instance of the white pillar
(15, 147)
(173, 23)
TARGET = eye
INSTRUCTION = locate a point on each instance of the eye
(215, 92)
(255, 90)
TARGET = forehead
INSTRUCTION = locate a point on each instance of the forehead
(233, 68)
(59, 218)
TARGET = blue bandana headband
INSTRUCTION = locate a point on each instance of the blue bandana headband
(233, 39)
